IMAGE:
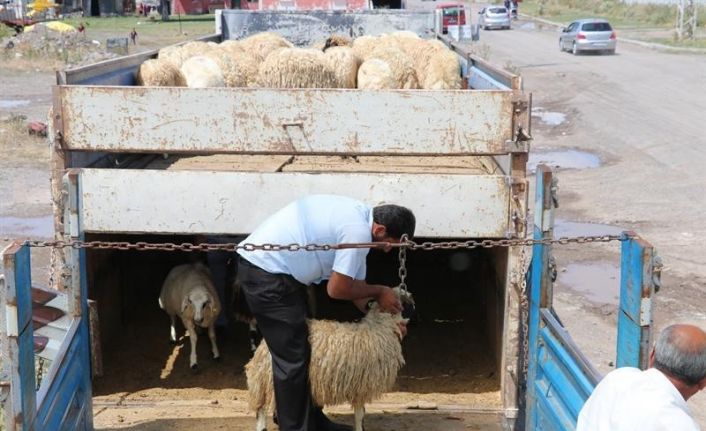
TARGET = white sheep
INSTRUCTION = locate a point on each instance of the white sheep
(159, 73)
(201, 72)
(344, 64)
(296, 68)
(189, 293)
(354, 362)
(400, 74)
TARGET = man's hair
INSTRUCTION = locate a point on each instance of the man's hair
(677, 356)
(396, 219)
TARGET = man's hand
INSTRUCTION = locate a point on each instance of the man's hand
(388, 301)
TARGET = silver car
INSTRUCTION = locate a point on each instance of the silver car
(494, 17)
(588, 35)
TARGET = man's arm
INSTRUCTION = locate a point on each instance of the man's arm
(344, 287)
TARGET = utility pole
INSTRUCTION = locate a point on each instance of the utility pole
(686, 19)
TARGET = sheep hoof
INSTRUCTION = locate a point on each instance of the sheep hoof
(172, 342)
(217, 358)
(195, 368)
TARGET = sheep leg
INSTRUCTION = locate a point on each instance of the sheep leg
(172, 330)
(359, 412)
(191, 330)
(261, 424)
(214, 347)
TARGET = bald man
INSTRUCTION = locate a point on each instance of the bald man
(654, 399)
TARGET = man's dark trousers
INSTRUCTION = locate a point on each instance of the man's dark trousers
(279, 304)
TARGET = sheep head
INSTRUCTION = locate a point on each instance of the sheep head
(200, 307)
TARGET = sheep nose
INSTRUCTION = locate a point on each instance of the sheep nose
(198, 319)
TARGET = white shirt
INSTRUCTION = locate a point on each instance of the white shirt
(628, 399)
(315, 219)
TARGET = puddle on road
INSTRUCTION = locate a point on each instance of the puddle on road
(597, 281)
(549, 118)
(572, 228)
(42, 227)
(11, 104)
(563, 159)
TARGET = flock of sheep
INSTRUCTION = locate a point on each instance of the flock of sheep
(353, 362)
(399, 60)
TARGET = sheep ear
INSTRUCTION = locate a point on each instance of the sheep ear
(184, 304)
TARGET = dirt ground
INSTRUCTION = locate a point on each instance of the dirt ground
(645, 133)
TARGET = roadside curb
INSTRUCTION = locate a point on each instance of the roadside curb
(650, 45)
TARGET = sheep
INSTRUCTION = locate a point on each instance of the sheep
(201, 72)
(194, 48)
(442, 72)
(336, 40)
(400, 74)
(189, 293)
(171, 54)
(234, 74)
(296, 68)
(262, 44)
(159, 73)
(350, 362)
(364, 46)
(344, 64)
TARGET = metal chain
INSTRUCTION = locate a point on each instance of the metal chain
(403, 263)
(403, 245)
(524, 307)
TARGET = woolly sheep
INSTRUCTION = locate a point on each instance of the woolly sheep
(188, 292)
(336, 40)
(231, 46)
(364, 46)
(344, 64)
(233, 74)
(171, 54)
(194, 48)
(263, 44)
(401, 72)
(442, 72)
(160, 73)
(201, 72)
(296, 68)
(350, 362)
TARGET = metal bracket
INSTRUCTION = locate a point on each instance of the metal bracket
(657, 267)
(516, 146)
(553, 190)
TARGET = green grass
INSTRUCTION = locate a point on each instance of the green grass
(192, 25)
(5, 31)
(696, 43)
(620, 14)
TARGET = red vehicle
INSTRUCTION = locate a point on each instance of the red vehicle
(452, 14)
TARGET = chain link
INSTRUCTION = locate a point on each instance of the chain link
(405, 244)
(403, 263)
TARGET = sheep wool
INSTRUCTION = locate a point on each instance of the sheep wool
(375, 74)
(171, 54)
(442, 72)
(233, 74)
(296, 68)
(364, 46)
(401, 68)
(353, 362)
(345, 65)
(159, 73)
(336, 40)
(231, 46)
(201, 72)
(246, 65)
(263, 44)
(194, 48)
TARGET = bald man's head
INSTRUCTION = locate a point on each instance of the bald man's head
(681, 352)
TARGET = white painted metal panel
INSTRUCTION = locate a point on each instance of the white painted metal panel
(150, 201)
(285, 121)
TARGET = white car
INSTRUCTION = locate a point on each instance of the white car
(494, 17)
